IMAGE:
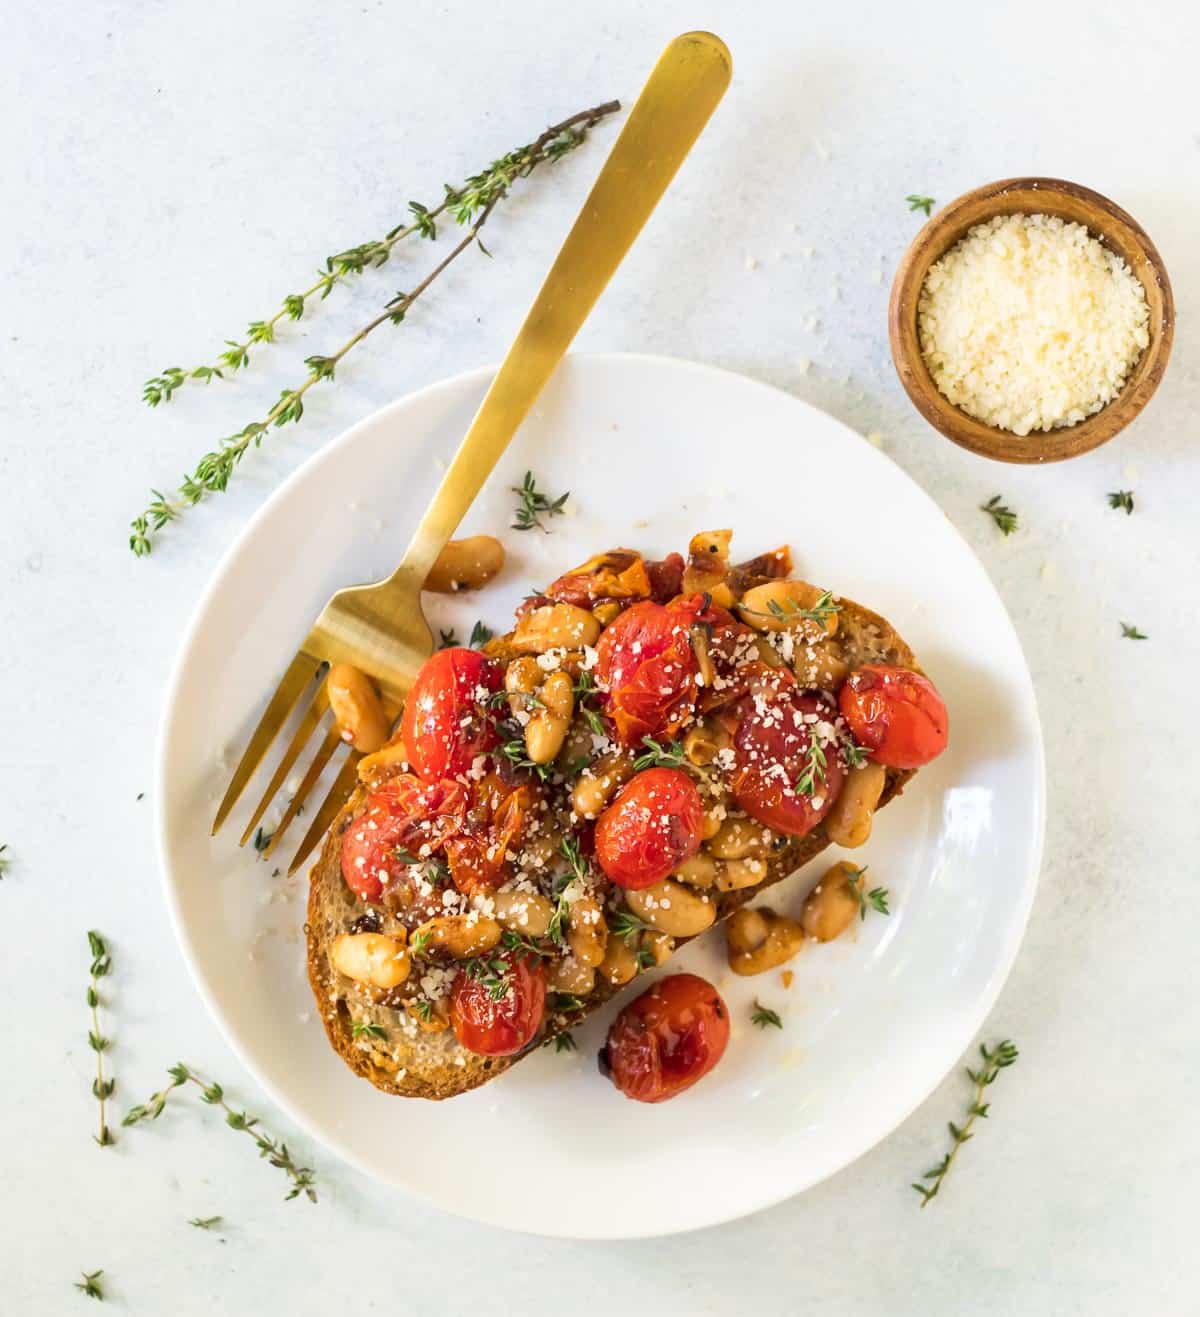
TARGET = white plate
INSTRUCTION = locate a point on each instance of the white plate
(652, 450)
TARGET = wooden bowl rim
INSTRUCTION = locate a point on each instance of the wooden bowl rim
(941, 232)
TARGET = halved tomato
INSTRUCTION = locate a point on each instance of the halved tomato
(448, 721)
(787, 772)
(617, 574)
(403, 821)
(495, 821)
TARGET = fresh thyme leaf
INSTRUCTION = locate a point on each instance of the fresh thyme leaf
(876, 899)
(448, 640)
(494, 974)
(1005, 518)
(1132, 633)
(90, 1285)
(469, 205)
(419, 942)
(577, 765)
(762, 1017)
(480, 635)
(1122, 498)
(563, 1042)
(644, 957)
(788, 610)
(102, 1087)
(514, 751)
(276, 1153)
(565, 1003)
(627, 926)
(423, 1009)
(660, 756)
(262, 840)
(534, 505)
(855, 755)
(814, 769)
(918, 202)
(999, 1058)
(205, 1222)
(363, 1029)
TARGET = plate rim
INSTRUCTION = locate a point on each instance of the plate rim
(327, 1139)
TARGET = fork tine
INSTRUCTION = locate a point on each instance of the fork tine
(339, 793)
(299, 675)
(315, 769)
(308, 724)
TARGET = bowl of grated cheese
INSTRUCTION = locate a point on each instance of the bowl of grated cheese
(1031, 320)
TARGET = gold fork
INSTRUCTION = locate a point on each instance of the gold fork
(380, 628)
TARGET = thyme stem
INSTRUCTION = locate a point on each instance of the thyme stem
(101, 1088)
(276, 1153)
(471, 206)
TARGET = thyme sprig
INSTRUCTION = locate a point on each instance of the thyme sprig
(999, 1058)
(102, 1087)
(853, 754)
(1132, 633)
(90, 1285)
(301, 1177)
(563, 1042)
(1122, 499)
(471, 206)
(586, 692)
(916, 201)
(480, 635)
(628, 927)
(876, 899)
(814, 769)
(788, 610)
(534, 505)
(1005, 518)
(205, 1222)
(762, 1017)
(658, 755)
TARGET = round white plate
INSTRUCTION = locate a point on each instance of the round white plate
(652, 451)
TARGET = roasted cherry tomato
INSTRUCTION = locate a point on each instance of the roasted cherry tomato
(787, 771)
(494, 823)
(617, 574)
(651, 827)
(447, 719)
(499, 1010)
(648, 669)
(666, 577)
(896, 713)
(403, 820)
(666, 1039)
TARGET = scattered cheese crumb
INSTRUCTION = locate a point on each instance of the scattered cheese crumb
(875, 438)
(803, 364)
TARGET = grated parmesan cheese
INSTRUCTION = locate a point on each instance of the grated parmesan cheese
(1030, 323)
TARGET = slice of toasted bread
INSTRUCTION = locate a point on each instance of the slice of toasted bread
(397, 1056)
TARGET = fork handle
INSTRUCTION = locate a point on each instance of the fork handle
(682, 92)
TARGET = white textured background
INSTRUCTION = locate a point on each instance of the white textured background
(168, 172)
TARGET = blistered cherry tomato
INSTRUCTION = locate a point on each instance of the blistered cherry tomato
(651, 827)
(787, 772)
(499, 1011)
(896, 713)
(402, 820)
(447, 719)
(666, 577)
(647, 667)
(667, 1039)
(478, 855)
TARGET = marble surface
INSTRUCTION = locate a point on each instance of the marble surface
(169, 171)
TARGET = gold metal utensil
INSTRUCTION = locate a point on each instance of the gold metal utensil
(380, 628)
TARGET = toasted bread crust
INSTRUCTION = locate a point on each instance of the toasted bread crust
(434, 1065)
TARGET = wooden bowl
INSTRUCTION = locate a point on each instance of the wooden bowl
(1105, 221)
